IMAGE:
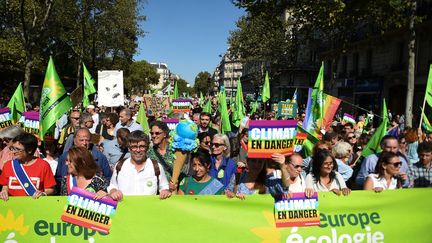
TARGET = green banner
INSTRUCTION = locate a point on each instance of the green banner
(364, 216)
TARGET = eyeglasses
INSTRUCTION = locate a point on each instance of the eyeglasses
(217, 145)
(138, 147)
(396, 164)
(75, 118)
(15, 149)
(403, 142)
(155, 133)
(298, 166)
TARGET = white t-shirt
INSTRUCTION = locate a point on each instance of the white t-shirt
(299, 185)
(337, 183)
(382, 183)
(133, 182)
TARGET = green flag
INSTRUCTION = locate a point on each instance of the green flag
(223, 109)
(239, 110)
(208, 106)
(54, 100)
(373, 146)
(317, 95)
(176, 93)
(142, 119)
(201, 99)
(88, 86)
(254, 107)
(310, 142)
(17, 103)
(426, 124)
(428, 94)
(265, 95)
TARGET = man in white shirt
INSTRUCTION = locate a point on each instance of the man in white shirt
(95, 117)
(138, 175)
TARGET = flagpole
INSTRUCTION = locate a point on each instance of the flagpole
(356, 106)
(421, 116)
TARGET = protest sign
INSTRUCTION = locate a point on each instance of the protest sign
(156, 104)
(297, 211)
(171, 123)
(110, 88)
(5, 118)
(268, 137)
(181, 105)
(30, 123)
(81, 209)
(348, 118)
(287, 109)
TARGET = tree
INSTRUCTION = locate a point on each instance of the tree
(140, 76)
(183, 87)
(202, 82)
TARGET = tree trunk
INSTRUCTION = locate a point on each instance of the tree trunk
(411, 68)
(79, 73)
(27, 73)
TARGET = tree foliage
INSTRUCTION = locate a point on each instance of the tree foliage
(140, 76)
(103, 34)
(201, 82)
(182, 86)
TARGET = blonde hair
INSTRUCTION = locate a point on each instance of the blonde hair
(225, 139)
(341, 149)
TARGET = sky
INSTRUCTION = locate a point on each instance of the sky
(188, 35)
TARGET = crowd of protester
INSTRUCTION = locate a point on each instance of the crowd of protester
(106, 151)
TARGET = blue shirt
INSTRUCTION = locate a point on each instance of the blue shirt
(345, 170)
(226, 170)
(113, 152)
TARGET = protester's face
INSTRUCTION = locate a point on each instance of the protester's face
(82, 139)
(218, 146)
(425, 157)
(327, 166)
(124, 118)
(157, 135)
(196, 119)
(392, 167)
(36, 108)
(402, 144)
(295, 167)
(204, 121)
(7, 142)
(429, 137)
(205, 143)
(74, 118)
(88, 123)
(199, 169)
(70, 166)
(138, 151)
(391, 145)
(245, 137)
(18, 151)
(352, 139)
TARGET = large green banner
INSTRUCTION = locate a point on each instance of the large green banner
(363, 216)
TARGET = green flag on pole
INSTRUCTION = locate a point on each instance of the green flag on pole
(310, 142)
(266, 89)
(176, 93)
(254, 107)
(428, 93)
(317, 95)
(54, 100)
(373, 146)
(201, 99)
(426, 124)
(208, 106)
(223, 109)
(88, 86)
(239, 110)
(142, 119)
(17, 103)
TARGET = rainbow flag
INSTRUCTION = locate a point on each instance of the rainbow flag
(331, 105)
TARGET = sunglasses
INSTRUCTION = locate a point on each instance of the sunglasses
(155, 133)
(206, 143)
(75, 118)
(298, 166)
(351, 137)
(217, 145)
(397, 164)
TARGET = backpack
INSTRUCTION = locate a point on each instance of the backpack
(155, 167)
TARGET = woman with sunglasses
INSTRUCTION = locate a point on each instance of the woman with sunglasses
(223, 167)
(7, 135)
(205, 141)
(160, 151)
(386, 171)
(82, 173)
(201, 183)
(324, 176)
